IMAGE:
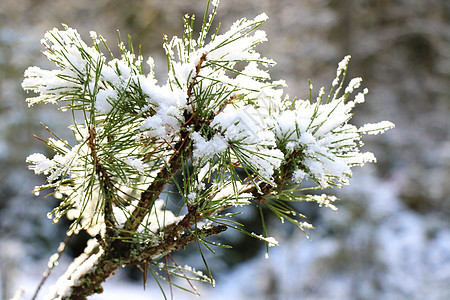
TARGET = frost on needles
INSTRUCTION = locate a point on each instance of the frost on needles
(219, 122)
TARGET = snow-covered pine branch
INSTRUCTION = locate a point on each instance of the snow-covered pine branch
(219, 122)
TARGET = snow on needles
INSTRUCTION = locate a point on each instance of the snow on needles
(318, 133)
(79, 267)
(219, 108)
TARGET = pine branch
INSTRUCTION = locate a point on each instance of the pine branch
(121, 255)
(218, 114)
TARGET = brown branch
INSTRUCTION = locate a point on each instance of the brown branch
(91, 282)
(149, 196)
(198, 67)
(170, 245)
(104, 180)
(111, 260)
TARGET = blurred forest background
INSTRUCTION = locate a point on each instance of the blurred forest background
(390, 238)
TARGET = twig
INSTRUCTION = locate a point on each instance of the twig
(110, 261)
(50, 268)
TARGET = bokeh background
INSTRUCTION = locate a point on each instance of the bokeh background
(391, 236)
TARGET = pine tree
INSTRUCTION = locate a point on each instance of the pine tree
(219, 132)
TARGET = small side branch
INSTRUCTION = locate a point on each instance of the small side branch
(110, 261)
(171, 244)
(198, 67)
(47, 273)
(104, 180)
